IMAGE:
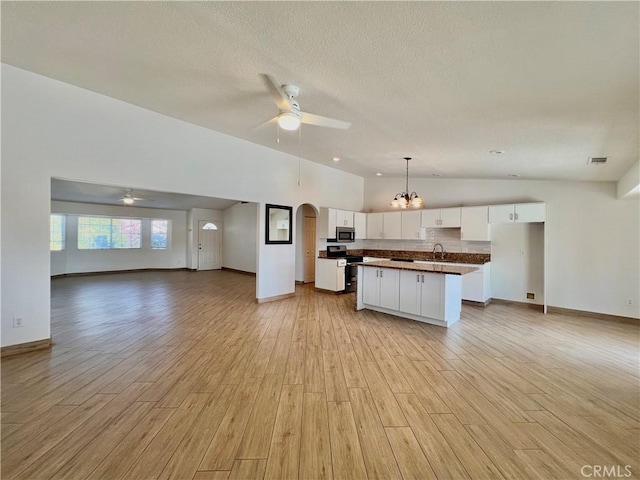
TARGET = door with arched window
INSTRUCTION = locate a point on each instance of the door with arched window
(208, 245)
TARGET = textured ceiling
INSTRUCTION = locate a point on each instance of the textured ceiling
(550, 83)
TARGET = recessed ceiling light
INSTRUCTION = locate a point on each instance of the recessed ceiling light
(336, 159)
(514, 175)
(496, 152)
(378, 174)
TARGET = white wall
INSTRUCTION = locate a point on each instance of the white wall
(51, 129)
(592, 238)
(194, 216)
(239, 237)
(72, 260)
(629, 184)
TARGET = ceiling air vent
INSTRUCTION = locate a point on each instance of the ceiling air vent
(597, 160)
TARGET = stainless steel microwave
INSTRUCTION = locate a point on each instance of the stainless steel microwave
(345, 234)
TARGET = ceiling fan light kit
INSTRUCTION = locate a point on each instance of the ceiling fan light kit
(406, 199)
(291, 116)
(288, 121)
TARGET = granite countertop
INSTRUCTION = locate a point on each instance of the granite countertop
(449, 257)
(420, 267)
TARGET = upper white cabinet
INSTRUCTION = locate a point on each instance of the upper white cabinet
(344, 218)
(387, 225)
(441, 218)
(474, 224)
(330, 218)
(360, 224)
(411, 225)
(518, 213)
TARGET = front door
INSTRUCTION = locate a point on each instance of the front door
(208, 245)
(309, 249)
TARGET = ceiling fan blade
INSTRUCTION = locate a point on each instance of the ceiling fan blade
(137, 199)
(271, 121)
(280, 99)
(320, 121)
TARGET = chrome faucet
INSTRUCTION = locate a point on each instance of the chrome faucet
(441, 253)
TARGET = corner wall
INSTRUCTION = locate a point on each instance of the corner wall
(239, 237)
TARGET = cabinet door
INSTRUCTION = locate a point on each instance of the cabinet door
(474, 224)
(370, 286)
(501, 214)
(530, 212)
(374, 225)
(389, 288)
(360, 224)
(340, 279)
(431, 218)
(431, 304)
(344, 218)
(411, 222)
(410, 292)
(473, 286)
(393, 225)
(450, 217)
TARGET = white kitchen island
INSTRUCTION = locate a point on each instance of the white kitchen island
(423, 292)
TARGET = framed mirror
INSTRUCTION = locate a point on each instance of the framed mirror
(279, 222)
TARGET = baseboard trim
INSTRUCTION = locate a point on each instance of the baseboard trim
(513, 303)
(276, 297)
(243, 272)
(324, 290)
(25, 347)
(111, 272)
(473, 303)
(598, 316)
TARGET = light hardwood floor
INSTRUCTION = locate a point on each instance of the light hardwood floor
(182, 375)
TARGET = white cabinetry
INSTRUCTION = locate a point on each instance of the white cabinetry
(380, 287)
(422, 294)
(330, 218)
(474, 224)
(518, 213)
(386, 225)
(330, 274)
(344, 218)
(360, 224)
(412, 225)
(441, 218)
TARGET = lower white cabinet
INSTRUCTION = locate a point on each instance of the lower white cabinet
(330, 274)
(421, 294)
(380, 287)
(476, 286)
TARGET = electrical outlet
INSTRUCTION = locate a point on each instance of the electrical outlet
(531, 296)
(17, 322)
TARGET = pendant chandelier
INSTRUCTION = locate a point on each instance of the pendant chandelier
(406, 199)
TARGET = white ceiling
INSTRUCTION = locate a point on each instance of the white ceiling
(551, 83)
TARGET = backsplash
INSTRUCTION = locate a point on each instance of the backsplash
(448, 237)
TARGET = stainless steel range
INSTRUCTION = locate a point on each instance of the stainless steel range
(351, 269)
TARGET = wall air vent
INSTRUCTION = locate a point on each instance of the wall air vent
(597, 160)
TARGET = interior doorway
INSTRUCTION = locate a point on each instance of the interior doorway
(306, 244)
(208, 245)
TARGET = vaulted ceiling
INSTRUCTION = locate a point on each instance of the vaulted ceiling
(549, 83)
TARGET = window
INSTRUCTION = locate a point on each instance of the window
(209, 226)
(57, 232)
(159, 233)
(108, 233)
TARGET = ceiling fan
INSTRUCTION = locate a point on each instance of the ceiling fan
(290, 116)
(129, 198)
